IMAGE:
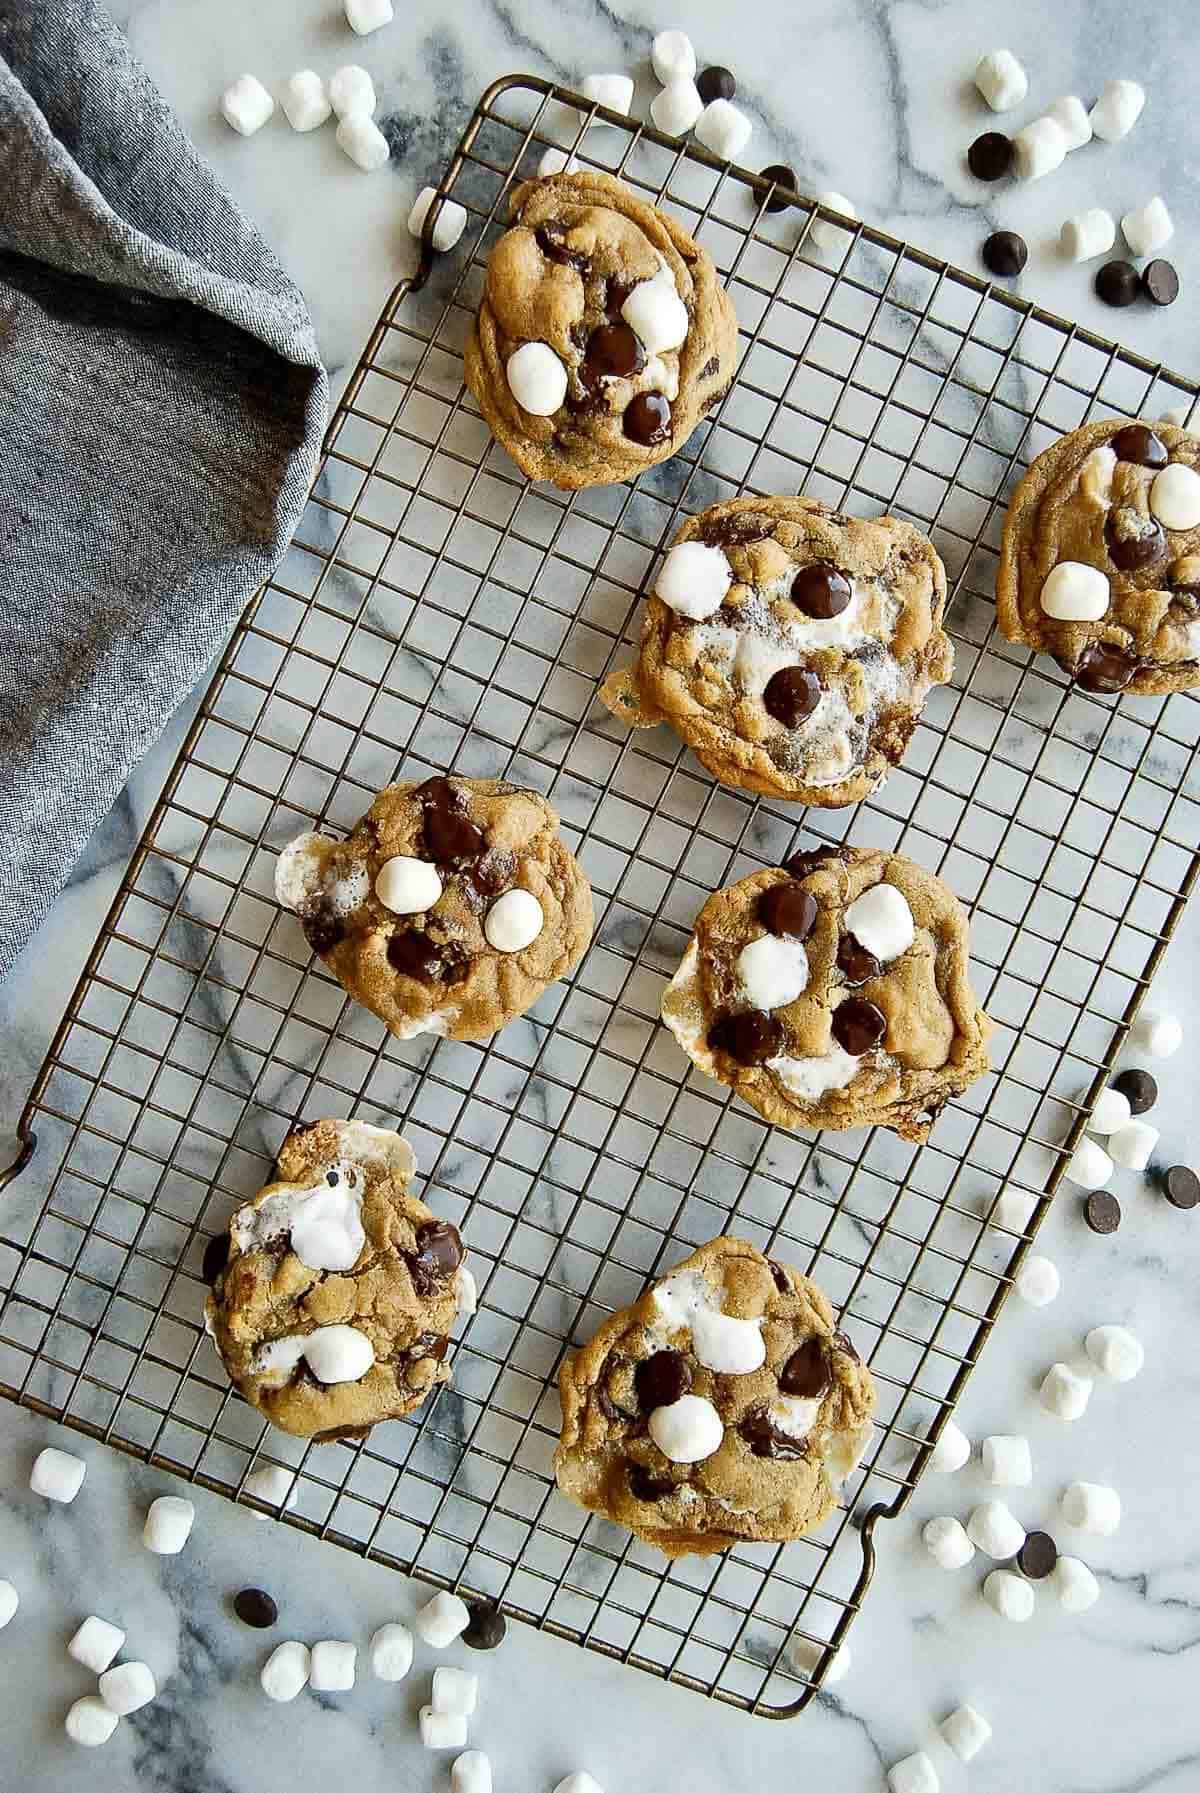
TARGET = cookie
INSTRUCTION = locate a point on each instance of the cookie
(833, 992)
(448, 910)
(1100, 563)
(334, 1309)
(603, 335)
(790, 647)
(723, 1405)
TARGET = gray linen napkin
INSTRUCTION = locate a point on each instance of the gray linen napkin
(161, 409)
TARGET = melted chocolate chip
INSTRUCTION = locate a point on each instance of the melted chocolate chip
(450, 834)
(661, 1379)
(736, 529)
(414, 954)
(551, 239)
(323, 929)
(792, 694)
(487, 1629)
(855, 963)
(766, 1439)
(779, 1277)
(821, 591)
(439, 1252)
(788, 910)
(255, 1607)
(1139, 444)
(806, 1372)
(1132, 540)
(216, 1256)
(644, 1486)
(647, 419)
(615, 294)
(489, 876)
(1102, 667)
(858, 1026)
(812, 859)
(613, 353)
(750, 1038)
(426, 1344)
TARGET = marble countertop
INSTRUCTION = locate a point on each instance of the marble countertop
(875, 100)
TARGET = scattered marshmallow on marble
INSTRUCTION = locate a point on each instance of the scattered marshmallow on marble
(1039, 149)
(451, 220)
(304, 100)
(359, 137)
(1111, 1111)
(57, 1475)
(995, 1530)
(1158, 1034)
(455, 1690)
(1148, 229)
(513, 922)
(1070, 115)
(9, 1602)
(471, 1773)
(444, 1618)
(1064, 1393)
(915, 1774)
(1088, 234)
(442, 1730)
(1089, 1165)
(1038, 1281)
(965, 1732)
(613, 91)
(693, 580)
(127, 1688)
(723, 129)
(246, 105)
(947, 1542)
(96, 1644)
(331, 1666)
(673, 57)
(1074, 592)
(351, 89)
(1092, 1507)
(1007, 1461)
(365, 16)
(1074, 1583)
(805, 1655)
(1012, 1210)
(274, 1485)
(773, 971)
(168, 1524)
(1115, 1352)
(1131, 1145)
(556, 161)
(822, 231)
(90, 1722)
(391, 1652)
(677, 107)
(1001, 80)
(951, 1451)
(687, 1430)
(579, 1782)
(882, 922)
(1010, 1595)
(1117, 110)
(285, 1672)
(536, 378)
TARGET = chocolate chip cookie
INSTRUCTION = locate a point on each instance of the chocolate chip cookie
(1100, 564)
(833, 992)
(603, 335)
(723, 1405)
(448, 910)
(334, 1308)
(790, 647)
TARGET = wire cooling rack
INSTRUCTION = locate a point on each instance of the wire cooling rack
(436, 611)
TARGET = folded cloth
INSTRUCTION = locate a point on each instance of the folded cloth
(161, 408)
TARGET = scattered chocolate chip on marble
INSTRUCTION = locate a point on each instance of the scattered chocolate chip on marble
(1102, 1211)
(1160, 283)
(990, 156)
(1181, 1187)
(783, 176)
(1118, 283)
(486, 1629)
(1037, 1556)
(256, 1608)
(716, 83)
(1139, 1089)
(1005, 253)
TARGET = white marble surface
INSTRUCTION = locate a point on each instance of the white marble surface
(874, 100)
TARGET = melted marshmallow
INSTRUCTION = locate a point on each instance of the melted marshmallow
(324, 1221)
(773, 971)
(731, 1347)
(810, 1078)
(333, 1354)
(794, 1414)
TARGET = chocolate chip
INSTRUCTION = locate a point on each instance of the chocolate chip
(1139, 444)
(1139, 1090)
(736, 529)
(1133, 541)
(1037, 1556)
(857, 1026)
(439, 1252)
(791, 694)
(486, 1628)
(216, 1256)
(551, 239)
(783, 176)
(1005, 253)
(806, 1372)
(750, 1038)
(644, 1486)
(715, 83)
(1181, 1186)
(255, 1607)
(812, 859)
(1102, 1211)
(990, 156)
(450, 834)
(779, 1277)
(766, 1440)
(647, 419)
(1160, 283)
(1102, 667)
(414, 954)
(323, 929)
(616, 292)
(1117, 283)
(613, 352)
(661, 1379)
(788, 910)
(820, 590)
(855, 963)
(427, 1344)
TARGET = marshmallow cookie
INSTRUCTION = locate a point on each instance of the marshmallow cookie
(1100, 564)
(833, 992)
(722, 1406)
(790, 647)
(334, 1309)
(603, 335)
(448, 910)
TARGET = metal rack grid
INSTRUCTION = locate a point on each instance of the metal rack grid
(436, 611)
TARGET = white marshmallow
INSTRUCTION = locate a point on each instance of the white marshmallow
(444, 1618)
(90, 1722)
(676, 107)
(285, 1672)
(169, 1521)
(1075, 1585)
(915, 1774)
(513, 922)
(57, 1475)
(127, 1688)
(1010, 1595)
(365, 16)
(1088, 234)
(466, 1291)
(9, 1602)
(556, 161)
(537, 378)
(947, 1542)
(1073, 592)
(1149, 229)
(274, 1485)
(1001, 80)
(693, 580)
(688, 1430)
(1039, 149)
(1115, 1352)
(995, 1530)
(360, 138)
(1131, 1145)
(951, 1451)
(408, 886)
(391, 1652)
(96, 1644)
(323, 1223)
(471, 1773)
(1070, 115)
(1012, 1210)
(442, 1730)
(455, 1690)
(579, 1782)
(773, 971)
(822, 231)
(613, 91)
(451, 220)
(351, 89)
(1007, 1461)
(673, 57)
(1064, 1393)
(246, 105)
(733, 1348)
(1092, 1507)
(333, 1354)
(656, 314)
(1089, 1165)
(1117, 110)
(882, 922)
(966, 1731)
(331, 1666)
(805, 1655)
(305, 101)
(723, 129)
(1158, 1034)
(1038, 1281)
(1110, 1112)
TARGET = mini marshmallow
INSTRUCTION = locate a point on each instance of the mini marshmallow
(613, 91)
(304, 100)
(391, 1652)
(1038, 1281)
(442, 1730)
(1074, 1583)
(773, 971)
(57, 1475)
(351, 89)
(995, 1530)
(168, 1524)
(96, 1645)
(556, 161)
(805, 1654)
(513, 922)
(882, 922)
(673, 57)
(1088, 234)
(451, 220)
(656, 314)
(1009, 1595)
(331, 1667)
(274, 1485)
(365, 16)
(536, 378)
(724, 130)
(9, 1602)
(951, 1451)
(822, 231)
(1001, 80)
(1158, 1034)
(408, 886)
(915, 1774)
(285, 1672)
(1115, 1352)
(455, 1690)
(443, 1619)
(693, 580)
(1070, 115)
(733, 1347)
(471, 1773)
(1064, 1393)
(127, 1688)
(677, 107)
(90, 1722)
(1075, 593)
(579, 1782)
(966, 1731)
(1149, 229)
(1007, 1461)
(1012, 1210)
(1117, 110)
(1092, 1507)
(1131, 1145)
(246, 105)
(1039, 149)
(1110, 1112)
(947, 1542)
(360, 138)
(1089, 1165)
(687, 1430)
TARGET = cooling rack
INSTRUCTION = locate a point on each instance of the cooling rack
(437, 611)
